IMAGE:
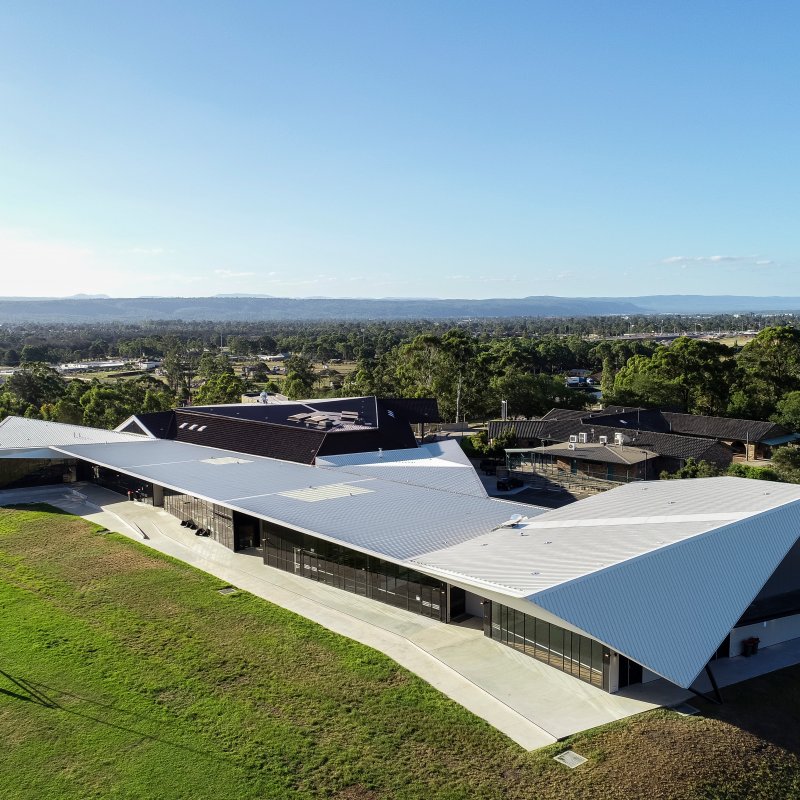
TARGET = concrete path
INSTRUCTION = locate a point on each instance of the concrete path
(533, 704)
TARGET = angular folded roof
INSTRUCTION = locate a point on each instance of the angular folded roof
(439, 465)
(659, 571)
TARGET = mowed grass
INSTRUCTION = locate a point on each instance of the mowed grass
(125, 674)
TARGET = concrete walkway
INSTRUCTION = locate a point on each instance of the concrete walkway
(533, 704)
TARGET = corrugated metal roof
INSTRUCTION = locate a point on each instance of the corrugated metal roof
(581, 538)
(391, 520)
(671, 608)
(25, 433)
(612, 454)
(658, 571)
(438, 465)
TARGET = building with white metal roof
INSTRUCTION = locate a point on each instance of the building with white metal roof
(653, 579)
(438, 465)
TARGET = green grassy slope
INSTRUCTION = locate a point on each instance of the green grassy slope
(125, 674)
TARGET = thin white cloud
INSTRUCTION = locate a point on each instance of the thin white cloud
(707, 259)
(229, 273)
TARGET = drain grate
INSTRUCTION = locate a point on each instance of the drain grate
(228, 590)
(685, 710)
(569, 758)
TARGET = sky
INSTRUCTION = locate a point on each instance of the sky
(399, 148)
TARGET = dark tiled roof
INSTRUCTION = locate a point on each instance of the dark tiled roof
(249, 436)
(723, 427)
(552, 427)
(414, 409)
(637, 418)
(267, 430)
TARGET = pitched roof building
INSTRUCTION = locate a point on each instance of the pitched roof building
(653, 579)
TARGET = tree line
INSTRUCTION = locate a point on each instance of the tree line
(323, 340)
(469, 372)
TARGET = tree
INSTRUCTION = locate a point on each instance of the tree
(211, 365)
(692, 469)
(788, 411)
(786, 462)
(174, 370)
(533, 395)
(36, 384)
(300, 377)
(104, 406)
(769, 368)
(690, 375)
(497, 447)
(222, 388)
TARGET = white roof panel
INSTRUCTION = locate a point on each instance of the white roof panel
(392, 520)
(581, 538)
(439, 465)
(671, 608)
(659, 571)
(19, 432)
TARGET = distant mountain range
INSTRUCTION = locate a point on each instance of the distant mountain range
(228, 308)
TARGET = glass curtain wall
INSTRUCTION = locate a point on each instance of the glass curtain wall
(354, 572)
(570, 652)
(216, 519)
(31, 472)
(121, 483)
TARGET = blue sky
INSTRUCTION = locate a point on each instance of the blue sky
(385, 149)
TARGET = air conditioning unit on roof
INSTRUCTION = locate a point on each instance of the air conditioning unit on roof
(573, 438)
(583, 438)
(603, 440)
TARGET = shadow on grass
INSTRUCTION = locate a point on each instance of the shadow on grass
(31, 693)
(44, 507)
(768, 707)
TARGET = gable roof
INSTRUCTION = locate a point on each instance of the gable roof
(559, 429)
(724, 427)
(20, 432)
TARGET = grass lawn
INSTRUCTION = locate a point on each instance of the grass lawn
(125, 674)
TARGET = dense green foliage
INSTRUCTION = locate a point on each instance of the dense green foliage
(38, 391)
(468, 368)
(784, 467)
(759, 381)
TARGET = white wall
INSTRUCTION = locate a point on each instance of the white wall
(774, 631)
